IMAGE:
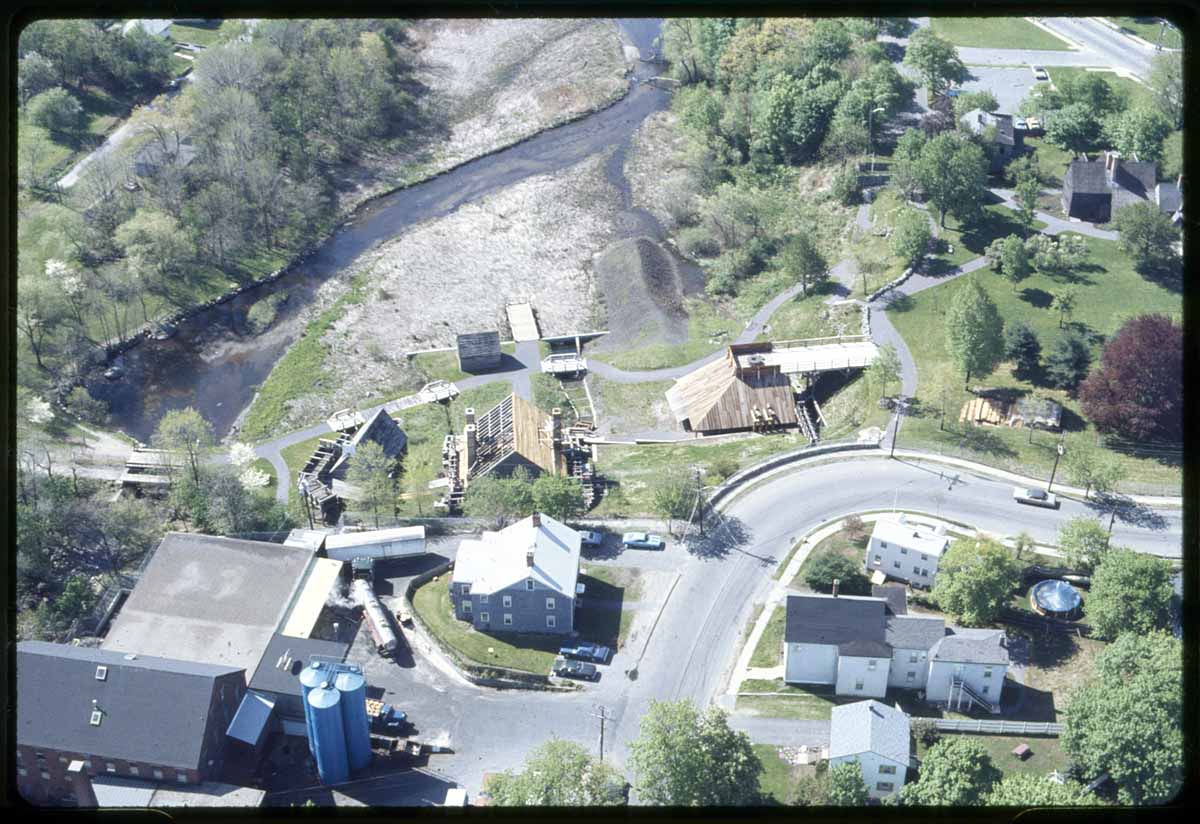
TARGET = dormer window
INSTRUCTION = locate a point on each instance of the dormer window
(529, 584)
(97, 717)
(101, 673)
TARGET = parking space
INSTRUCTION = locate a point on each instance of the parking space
(1010, 85)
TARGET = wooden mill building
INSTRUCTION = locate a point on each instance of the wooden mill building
(331, 460)
(479, 351)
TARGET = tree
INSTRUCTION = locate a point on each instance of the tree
(956, 772)
(1092, 91)
(673, 493)
(1021, 346)
(419, 470)
(56, 110)
(501, 499)
(905, 161)
(803, 261)
(1131, 592)
(686, 758)
(1074, 128)
(1056, 256)
(559, 774)
(558, 496)
(1092, 467)
(883, 373)
(35, 74)
(830, 567)
(975, 580)
(1166, 81)
(1037, 790)
(970, 101)
(1137, 389)
(935, 59)
(1063, 302)
(1084, 542)
(1128, 720)
(1025, 195)
(186, 433)
(953, 173)
(1014, 261)
(154, 240)
(1147, 236)
(373, 475)
(974, 331)
(845, 189)
(1139, 131)
(846, 785)
(941, 384)
(911, 236)
(1067, 361)
(1022, 543)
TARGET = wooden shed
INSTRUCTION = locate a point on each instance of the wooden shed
(479, 351)
(724, 396)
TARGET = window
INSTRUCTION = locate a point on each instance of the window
(903, 550)
(110, 766)
(925, 572)
(884, 786)
(883, 544)
(62, 759)
(912, 658)
(858, 684)
(101, 673)
(924, 557)
(181, 777)
(507, 599)
(41, 756)
(158, 774)
(987, 673)
(985, 689)
(912, 675)
(484, 618)
(871, 665)
(134, 770)
(483, 598)
(896, 564)
(508, 619)
(87, 765)
(551, 622)
(878, 558)
(529, 584)
(466, 607)
(916, 570)
(549, 603)
(887, 769)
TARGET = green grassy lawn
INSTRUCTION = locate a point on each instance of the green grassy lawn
(180, 66)
(1148, 29)
(1059, 664)
(528, 652)
(769, 652)
(1046, 756)
(960, 244)
(444, 365)
(1108, 288)
(778, 779)
(996, 33)
(711, 325)
(204, 34)
(815, 703)
(263, 465)
(1052, 161)
(809, 317)
(626, 579)
(1139, 95)
(839, 543)
(638, 406)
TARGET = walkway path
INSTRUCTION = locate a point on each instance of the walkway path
(782, 732)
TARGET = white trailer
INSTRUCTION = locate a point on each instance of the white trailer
(376, 543)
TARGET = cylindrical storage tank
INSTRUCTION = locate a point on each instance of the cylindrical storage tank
(353, 688)
(311, 677)
(329, 736)
(1056, 598)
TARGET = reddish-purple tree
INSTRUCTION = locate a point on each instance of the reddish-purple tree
(1137, 389)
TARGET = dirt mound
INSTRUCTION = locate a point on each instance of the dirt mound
(641, 287)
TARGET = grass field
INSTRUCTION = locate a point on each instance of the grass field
(1060, 664)
(839, 543)
(810, 317)
(1149, 28)
(960, 244)
(769, 652)
(996, 33)
(627, 579)
(1138, 94)
(796, 703)
(205, 33)
(779, 778)
(1047, 753)
(638, 407)
(444, 365)
(1107, 287)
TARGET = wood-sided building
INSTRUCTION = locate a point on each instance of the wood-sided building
(479, 351)
(735, 392)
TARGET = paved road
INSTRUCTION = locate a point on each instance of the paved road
(782, 731)
(1100, 47)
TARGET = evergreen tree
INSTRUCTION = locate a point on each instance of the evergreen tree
(974, 331)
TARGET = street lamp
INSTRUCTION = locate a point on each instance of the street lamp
(902, 404)
(1059, 449)
(871, 134)
(304, 497)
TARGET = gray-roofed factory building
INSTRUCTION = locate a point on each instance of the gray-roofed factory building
(278, 673)
(121, 714)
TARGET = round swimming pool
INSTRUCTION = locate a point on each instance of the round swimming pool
(1056, 598)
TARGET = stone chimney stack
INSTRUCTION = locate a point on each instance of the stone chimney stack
(836, 583)
(1112, 162)
(556, 424)
(529, 559)
(470, 414)
(81, 785)
(537, 519)
(472, 445)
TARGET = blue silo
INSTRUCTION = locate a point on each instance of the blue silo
(353, 687)
(311, 677)
(329, 737)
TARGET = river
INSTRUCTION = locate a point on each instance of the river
(215, 365)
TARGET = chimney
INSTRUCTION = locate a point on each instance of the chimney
(1112, 162)
(556, 424)
(836, 583)
(537, 519)
(529, 559)
(470, 414)
(81, 785)
(472, 445)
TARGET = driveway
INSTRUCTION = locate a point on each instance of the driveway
(1009, 85)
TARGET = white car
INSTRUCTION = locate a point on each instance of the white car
(1039, 73)
(590, 538)
(1035, 497)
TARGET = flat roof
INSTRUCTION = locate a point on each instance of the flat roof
(818, 358)
(271, 678)
(375, 536)
(209, 599)
(322, 576)
(910, 536)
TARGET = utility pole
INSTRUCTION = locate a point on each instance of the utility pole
(307, 503)
(699, 505)
(1059, 449)
(603, 716)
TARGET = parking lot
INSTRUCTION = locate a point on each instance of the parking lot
(1010, 85)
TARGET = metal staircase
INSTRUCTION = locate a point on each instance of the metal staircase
(964, 690)
(806, 424)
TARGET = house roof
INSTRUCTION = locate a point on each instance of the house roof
(1133, 179)
(824, 619)
(896, 596)
(113, 791)
(1168, 196)
(911, 536)
(1086, 177)
(977, 120)
(512, 426)
(383, 430)
(155, 710)
(967, 646)
(869, 726)
(913, 632)
(478, 344)
(497, 560)
(210, 599)
(719, 396)
(269, 677)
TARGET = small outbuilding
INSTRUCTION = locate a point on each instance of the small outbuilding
(479, 351)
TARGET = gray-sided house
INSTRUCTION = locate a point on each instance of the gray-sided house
(902, 549)
(1095, 190)
(875, 736)
(1001, 141)
(861, 647)
(523, 578)
(120, 714)
(154, 155)
(479, 351)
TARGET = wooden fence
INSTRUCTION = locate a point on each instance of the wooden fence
(998, 727)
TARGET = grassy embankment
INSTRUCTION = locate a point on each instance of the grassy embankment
(779, 778)
(1107, 287)
(797, 703)
(1148, 29)
(996, 33)
(1047, 753)
(444, 365)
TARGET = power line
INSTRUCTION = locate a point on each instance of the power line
(603, 716)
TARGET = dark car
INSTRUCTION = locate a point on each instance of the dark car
(575, 669)
(586, 652)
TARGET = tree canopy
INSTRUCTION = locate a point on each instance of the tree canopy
(823, 570)
(1136, 391)
(956, 772)
(974, 331)
(187, 434)
(975, 580)
(1021, 346)
(1067, 361)
(558, 496)
(846, 785)
(503, 500)
(1147, 236)
(936, 59)
(559, 774)
(1084, 543)
(952, 171)
(373, 475)
(1036, 790)
(1130, 592)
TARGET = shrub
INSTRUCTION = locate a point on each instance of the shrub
(826, 568)
(698, 242)
(855, 528)
(845, 189)
(262, 313)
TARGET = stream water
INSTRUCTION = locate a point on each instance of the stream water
(215, 365)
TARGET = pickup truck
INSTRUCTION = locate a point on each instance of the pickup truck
(641, 540)
(385, 717)
(1035, 497)
(575, 669)
(586, 652)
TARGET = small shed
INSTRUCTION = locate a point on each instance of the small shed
(1041, 413)
(479, 351)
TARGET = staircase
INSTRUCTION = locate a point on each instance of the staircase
(580, 468)
(806, 424)
(965, 690)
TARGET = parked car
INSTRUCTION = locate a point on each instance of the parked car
(589, 538)
(586, 652)
(1019, 123)
(1033, 124)
(1039, 73)
(640, 540)
(575, 669)
(1035, 497)
(952, 93)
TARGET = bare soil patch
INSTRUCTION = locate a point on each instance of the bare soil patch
(654, 165)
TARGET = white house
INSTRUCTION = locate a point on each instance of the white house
(158, 28)
(877, 737)
(907, 551)
(862, 647)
